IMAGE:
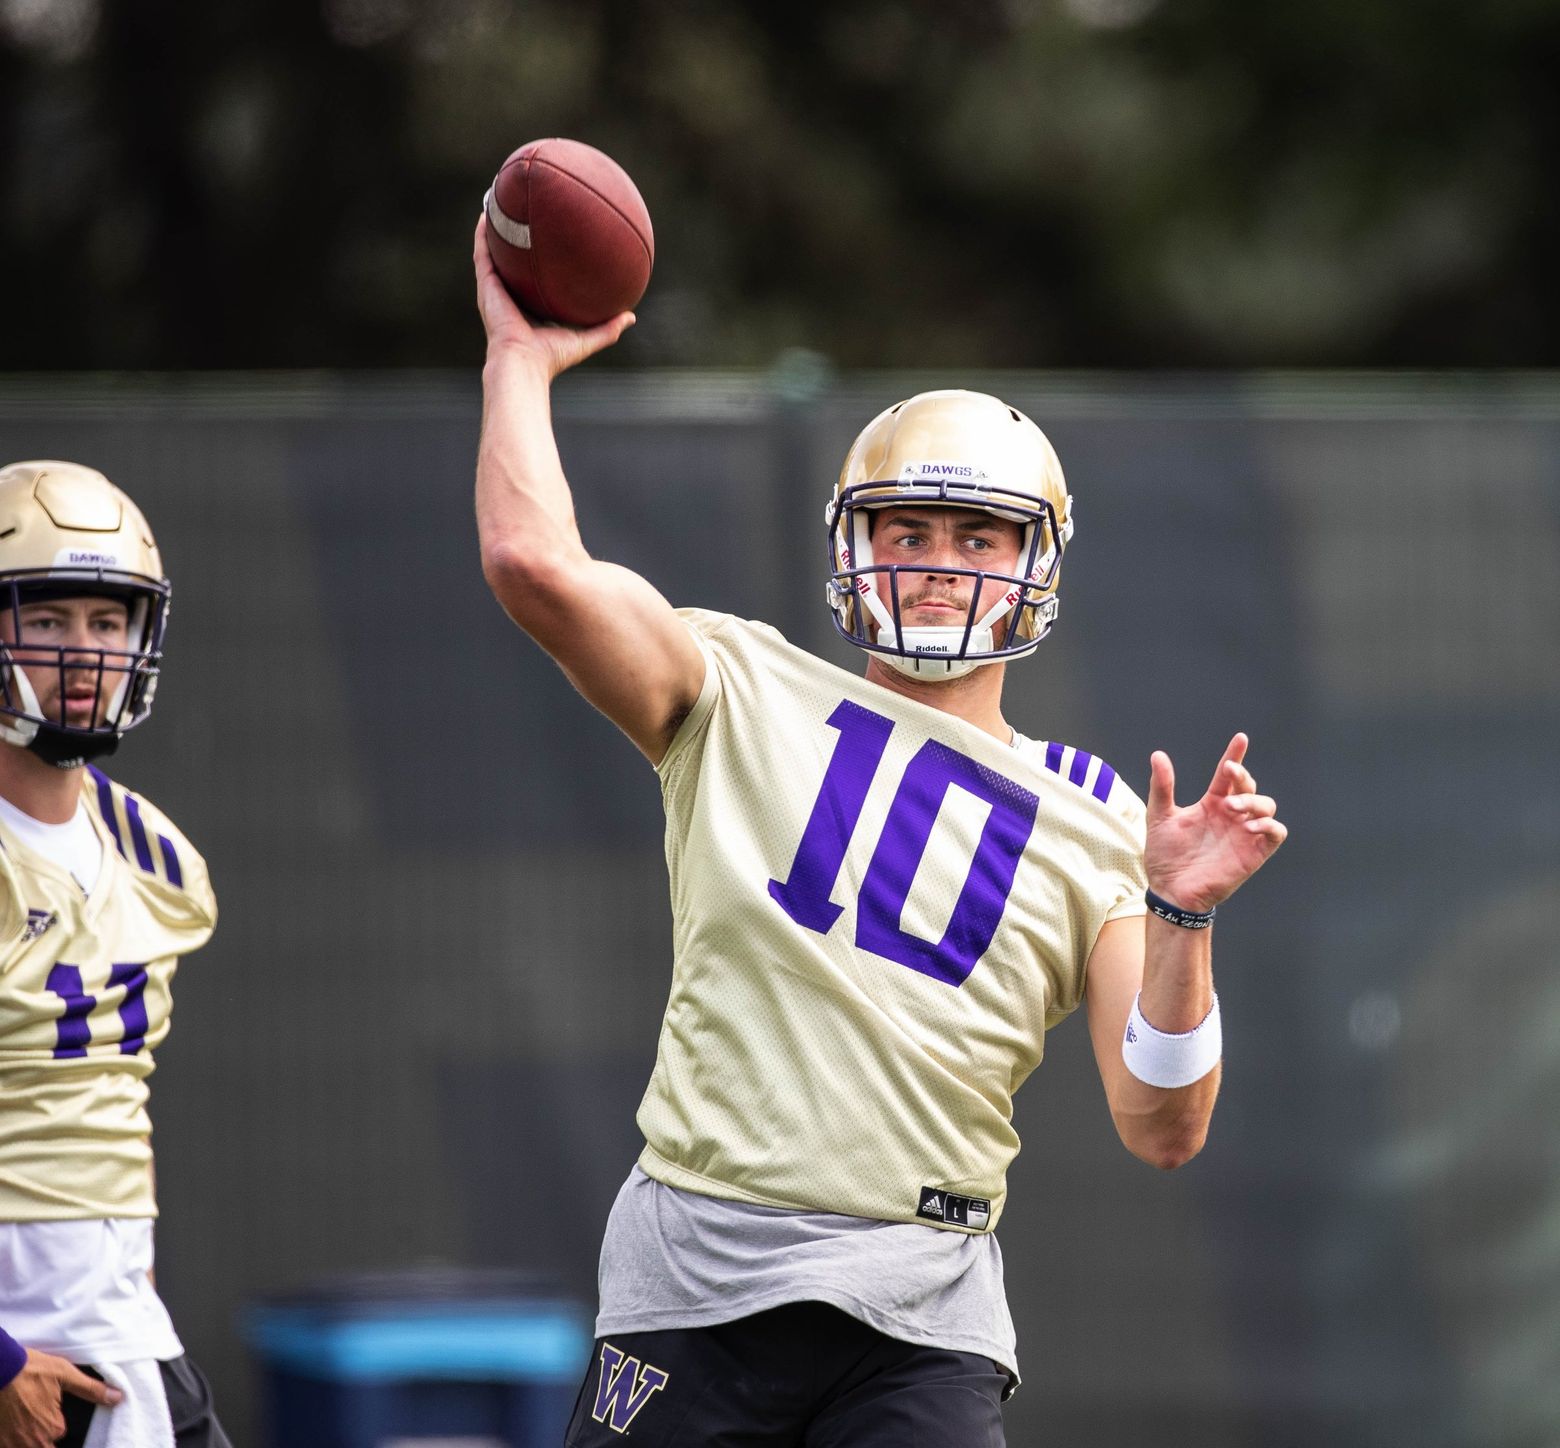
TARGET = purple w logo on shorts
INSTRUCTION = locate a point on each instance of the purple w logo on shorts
(624, 1387)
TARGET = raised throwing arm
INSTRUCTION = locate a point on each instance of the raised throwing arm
(611, 632)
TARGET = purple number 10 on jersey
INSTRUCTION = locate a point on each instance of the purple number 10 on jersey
(804, 894)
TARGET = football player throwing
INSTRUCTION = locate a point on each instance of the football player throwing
(883, 895)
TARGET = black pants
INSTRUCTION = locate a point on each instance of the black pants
(189, 1405)
(801, 1376)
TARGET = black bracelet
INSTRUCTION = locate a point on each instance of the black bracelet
(1186, 919)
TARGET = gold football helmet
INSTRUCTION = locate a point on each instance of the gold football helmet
(961, 450)
(66, 531)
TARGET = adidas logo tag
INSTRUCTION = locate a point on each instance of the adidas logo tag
(956, 1211)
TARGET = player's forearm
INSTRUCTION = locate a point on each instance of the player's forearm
(1177, 989)
(525, 512)
(1167, 1126)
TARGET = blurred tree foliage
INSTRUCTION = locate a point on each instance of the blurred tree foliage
(1138, 183)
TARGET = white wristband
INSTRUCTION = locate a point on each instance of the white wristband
(1162, 1059)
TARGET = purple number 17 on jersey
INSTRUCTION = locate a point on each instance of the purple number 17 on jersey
(73, 1033)
(804, 894)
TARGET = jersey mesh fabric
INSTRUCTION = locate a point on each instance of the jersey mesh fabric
(85, 999)
(823, 1050)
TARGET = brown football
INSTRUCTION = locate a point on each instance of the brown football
(569, 232)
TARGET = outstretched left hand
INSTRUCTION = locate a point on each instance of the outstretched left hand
(1199, 856)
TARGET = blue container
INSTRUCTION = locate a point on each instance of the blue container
(391, 1361)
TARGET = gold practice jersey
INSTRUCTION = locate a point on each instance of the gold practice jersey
(84, 1000)
(878, 911)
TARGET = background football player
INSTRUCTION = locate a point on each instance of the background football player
(883, 895)
(99, 898)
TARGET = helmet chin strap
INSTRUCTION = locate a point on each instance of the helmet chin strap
(932, 651)
(70, 751)
(48, 741)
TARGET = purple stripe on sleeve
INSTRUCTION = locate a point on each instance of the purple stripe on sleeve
(105, 793)
(1053, 757)
(1080, 767)
(143, 848)
(171, 861)
(1101, 790)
